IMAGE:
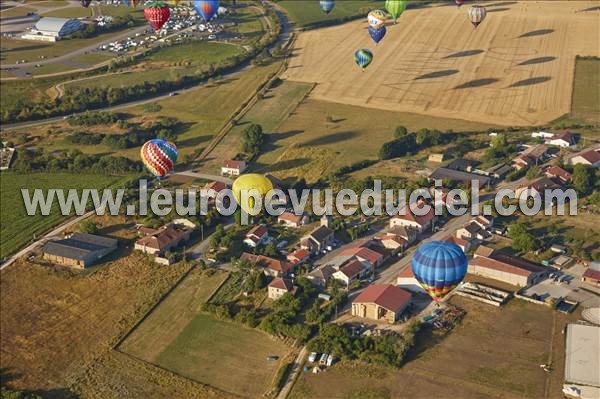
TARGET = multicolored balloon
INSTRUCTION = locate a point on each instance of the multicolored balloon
(376, 19)
(85, 3)
(327, 5)
(206, 8)
(459, 2)
(157, 14)
(477, 14)
(439, 266)
(363, 58)
(377, 34)
(395, 8)
(249, 183)
(159, 156)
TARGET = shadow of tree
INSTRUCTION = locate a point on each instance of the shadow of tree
(498, 9)
(330, 139)
(539, 32)
(531, 81)
(466, 53)
(476, 83)
(539, 60)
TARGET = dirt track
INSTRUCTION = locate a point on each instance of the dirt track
(516, 69)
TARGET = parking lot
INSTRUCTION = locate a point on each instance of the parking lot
(570, 287)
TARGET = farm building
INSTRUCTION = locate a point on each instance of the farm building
(381, 302)
(558, 172)
(321, 275)
(161, 240)
(459, 177)
(531, 156)
(299, 256)
(591, 276)
(271, 267)
(279, 287)
(407, 281)
(463, 244)
(50, 29)
(392, 241)
(508, 269)
(352, 271)
(233, 168)
(582, 363)
(472, 231)
(408, 218)
(563, 140)
(318, 240)
(364, 254)
(498, 171)
(79, 250)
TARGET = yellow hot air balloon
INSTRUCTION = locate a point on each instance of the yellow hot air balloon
(245, 186)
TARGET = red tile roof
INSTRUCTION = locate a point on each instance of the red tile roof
(232, 164)
(363, 253)
(162, 238)
(592, 156)
(291, 217)
(282, 284)
(407, 273)
(566, 136)
(298, 255)
(407, 213)
(592, 274)
(218, 186)
(484, 251)
(352, 269)
(455, 240)
(266, 262)
(258, 231)
(556, 171)
(387, 296)
(507, 265)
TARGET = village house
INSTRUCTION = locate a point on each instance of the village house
(290, 219)
(233, 167)
(558, 172)
(393, 242)
(407, 218)
(381, 302)
(407, 233)
(279, 287)
(407, 281)
(321, 275)
(80, 250)
(459, 177)
(258, 235)
(587, 157)
(159, 241)
(351, 271)
(563, 140)
(270, 266)
(591, 275)
(472, 231)
(298, 256)
(531, 156)
(539, 187)
(318, 240)
(460, 242)
(508, 269)
(498, 171)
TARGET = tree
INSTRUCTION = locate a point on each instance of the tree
(523, 240)
(533, 172)
(400, 131)
(88, 226)
(583, 179)
(252, 138)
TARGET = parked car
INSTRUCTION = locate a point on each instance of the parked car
(323, 359)
(272, 358)
(312, 357)
(329, 360)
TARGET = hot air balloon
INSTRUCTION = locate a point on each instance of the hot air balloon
(439, 266)
(377, 34)
(327, 5)
(206, 8)
(459, 2)
(395, 8)
(477, 15)
(156, 13)
(363, 58)
(159, 156)
(132, 3)
(85, 3)
(249, 183)
(376, 19)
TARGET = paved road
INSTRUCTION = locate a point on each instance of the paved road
(296, 368)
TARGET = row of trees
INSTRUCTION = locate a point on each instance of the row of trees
(92, 118)
(92, 30)
(406, 143)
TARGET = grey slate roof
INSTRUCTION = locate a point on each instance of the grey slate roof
(79, 245)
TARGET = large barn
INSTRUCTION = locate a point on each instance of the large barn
(382, 302)
(51, 29)
(80, 250)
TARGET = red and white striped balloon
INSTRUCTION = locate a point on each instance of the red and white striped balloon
(159, 156)
(477, 15)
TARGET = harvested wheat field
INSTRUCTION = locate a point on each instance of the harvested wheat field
(517, 68)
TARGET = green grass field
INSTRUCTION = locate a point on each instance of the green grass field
(309, 145)
(16, 227)
(493, 353)
(305, 13)
(71, 12)
(221, 354)
(586, 90)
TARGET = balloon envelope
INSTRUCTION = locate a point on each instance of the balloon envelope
(157, 14)
(439, 266)
(395, 7)
(85, 3)
(377, 34)
(459, 2)
(159, 156)
(327, 5)
(206, 8)
(477, 14)
(249, 183)
(363, 57)
(376, 19)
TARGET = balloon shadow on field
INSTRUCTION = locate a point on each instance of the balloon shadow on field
(466, 53)
(531, 81)
(595, 8)
(539, 60)
(193, 141)
(274, 138)
(437, 74)
(539, 32)
(330, 139)
(476, 83)
(503, 3)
